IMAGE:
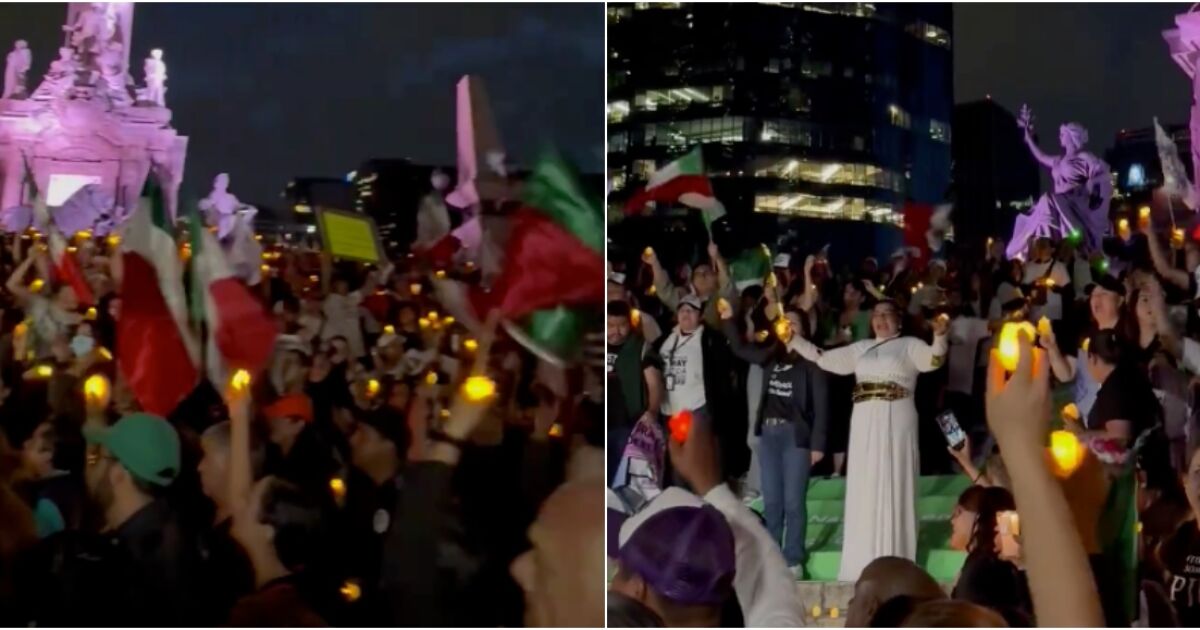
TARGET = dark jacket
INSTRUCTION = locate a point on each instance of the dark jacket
(143, 574)
(810, 388)
(726, 408)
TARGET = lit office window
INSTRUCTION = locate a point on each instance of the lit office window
(652, 100)
(930, 33)
(850, 9)
(786, 132)
(617, 111)
(819, 207)
(618, 142)
(643, 169)
(702, 131)
(616, 181)
(819, 172)
(616, 14)
(939, 131)
(642, 6)
(899, 117)
(816, 69)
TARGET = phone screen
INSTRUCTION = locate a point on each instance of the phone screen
(948, 423)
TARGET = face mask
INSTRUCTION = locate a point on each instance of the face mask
(82, 345)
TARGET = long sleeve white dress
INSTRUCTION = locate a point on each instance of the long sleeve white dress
(880, 510)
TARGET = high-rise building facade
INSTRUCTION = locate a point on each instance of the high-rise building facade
(823, 111)
(995, 175)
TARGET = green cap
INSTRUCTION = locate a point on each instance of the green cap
(146, 445)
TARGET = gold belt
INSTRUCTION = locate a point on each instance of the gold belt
(879, 391)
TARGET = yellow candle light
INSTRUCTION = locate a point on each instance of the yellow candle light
(1123, 228)
(448, 320)
(338, 487)
(1009, 347)
(372, 388)
(1044, 328)
(72, 249)
(114, 240)
(1177, 238)
(95, 387)
(265, 268)
(471, 345)
(443, 414)
(834, 613)
(647, 254)
(104, 353)
(258, 237)
(240, 380)
(350, 591)
(1070, 412)
(43, 371)
(1067, 452)
(635, 318)
(761, 336)
(20, 329)
(479, 388)
(816, 611)
(1144, 214)
(314, 279)
(389, 329)
(652, 290)
(1087, 343)
(414, 288)
(772, 281)
(431, 378)
(439, 274)
(783, 329)
(37, 285)
(90, 314)
(423, 322)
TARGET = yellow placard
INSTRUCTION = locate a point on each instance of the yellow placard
(350, 236)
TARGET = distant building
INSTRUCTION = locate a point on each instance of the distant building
(304, 195)
(389, 190)
(995, 176)
(803, 111)
(1137, 171)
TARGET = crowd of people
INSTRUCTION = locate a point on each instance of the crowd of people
(884, 372)
(388, 467)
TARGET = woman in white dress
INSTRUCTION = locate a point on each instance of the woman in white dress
(880, 515)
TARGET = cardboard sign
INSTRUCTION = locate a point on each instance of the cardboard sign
(350, 236)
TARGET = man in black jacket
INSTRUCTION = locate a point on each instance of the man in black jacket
(791, 425)
(142, 572)
(699, 377)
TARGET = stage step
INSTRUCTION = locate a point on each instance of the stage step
(936, 498)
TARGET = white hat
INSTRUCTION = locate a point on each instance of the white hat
(783, 260)
(616, 277)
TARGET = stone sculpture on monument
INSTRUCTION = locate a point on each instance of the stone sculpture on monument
(80, 139)
(155, 71)
(221, 208)
(1078, 205)
(15, 68)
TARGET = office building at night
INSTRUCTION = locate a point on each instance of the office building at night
(1133, 158)
(813, 111)
(995, 175)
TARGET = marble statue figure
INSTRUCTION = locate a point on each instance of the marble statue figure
(1080, 199)
(155, 70)
(15, 68)
(222, 207)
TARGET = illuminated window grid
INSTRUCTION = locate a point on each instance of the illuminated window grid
(842, 173)
(821, 207)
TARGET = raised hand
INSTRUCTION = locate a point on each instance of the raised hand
(696, 459)
(1018, 407)
(1025, 119)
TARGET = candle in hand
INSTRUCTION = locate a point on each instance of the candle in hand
(240, 381)
(1067, 452)
(680, 425)
(479, 388)
(1009, 347)
(95, 388)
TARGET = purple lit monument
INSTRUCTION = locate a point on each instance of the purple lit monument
(1079, 202)
(1184, 43)
(81, 132)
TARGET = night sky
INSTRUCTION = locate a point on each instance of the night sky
(268, 92)
(1103, 65)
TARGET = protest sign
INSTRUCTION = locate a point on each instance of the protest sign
(350, 236)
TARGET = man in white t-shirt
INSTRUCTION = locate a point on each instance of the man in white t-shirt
(1046, 275)
(683, 360)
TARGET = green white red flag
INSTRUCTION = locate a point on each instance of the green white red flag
(156, 352)
(682, 181)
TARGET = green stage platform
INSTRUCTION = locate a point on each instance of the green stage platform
(936, 498)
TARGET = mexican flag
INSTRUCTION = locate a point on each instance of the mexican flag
(241, 335)
(750, 268)
(156, 352)
(66, 268)
(553, 266)
(682, 181)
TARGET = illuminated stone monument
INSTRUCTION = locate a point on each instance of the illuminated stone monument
(87, 125)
